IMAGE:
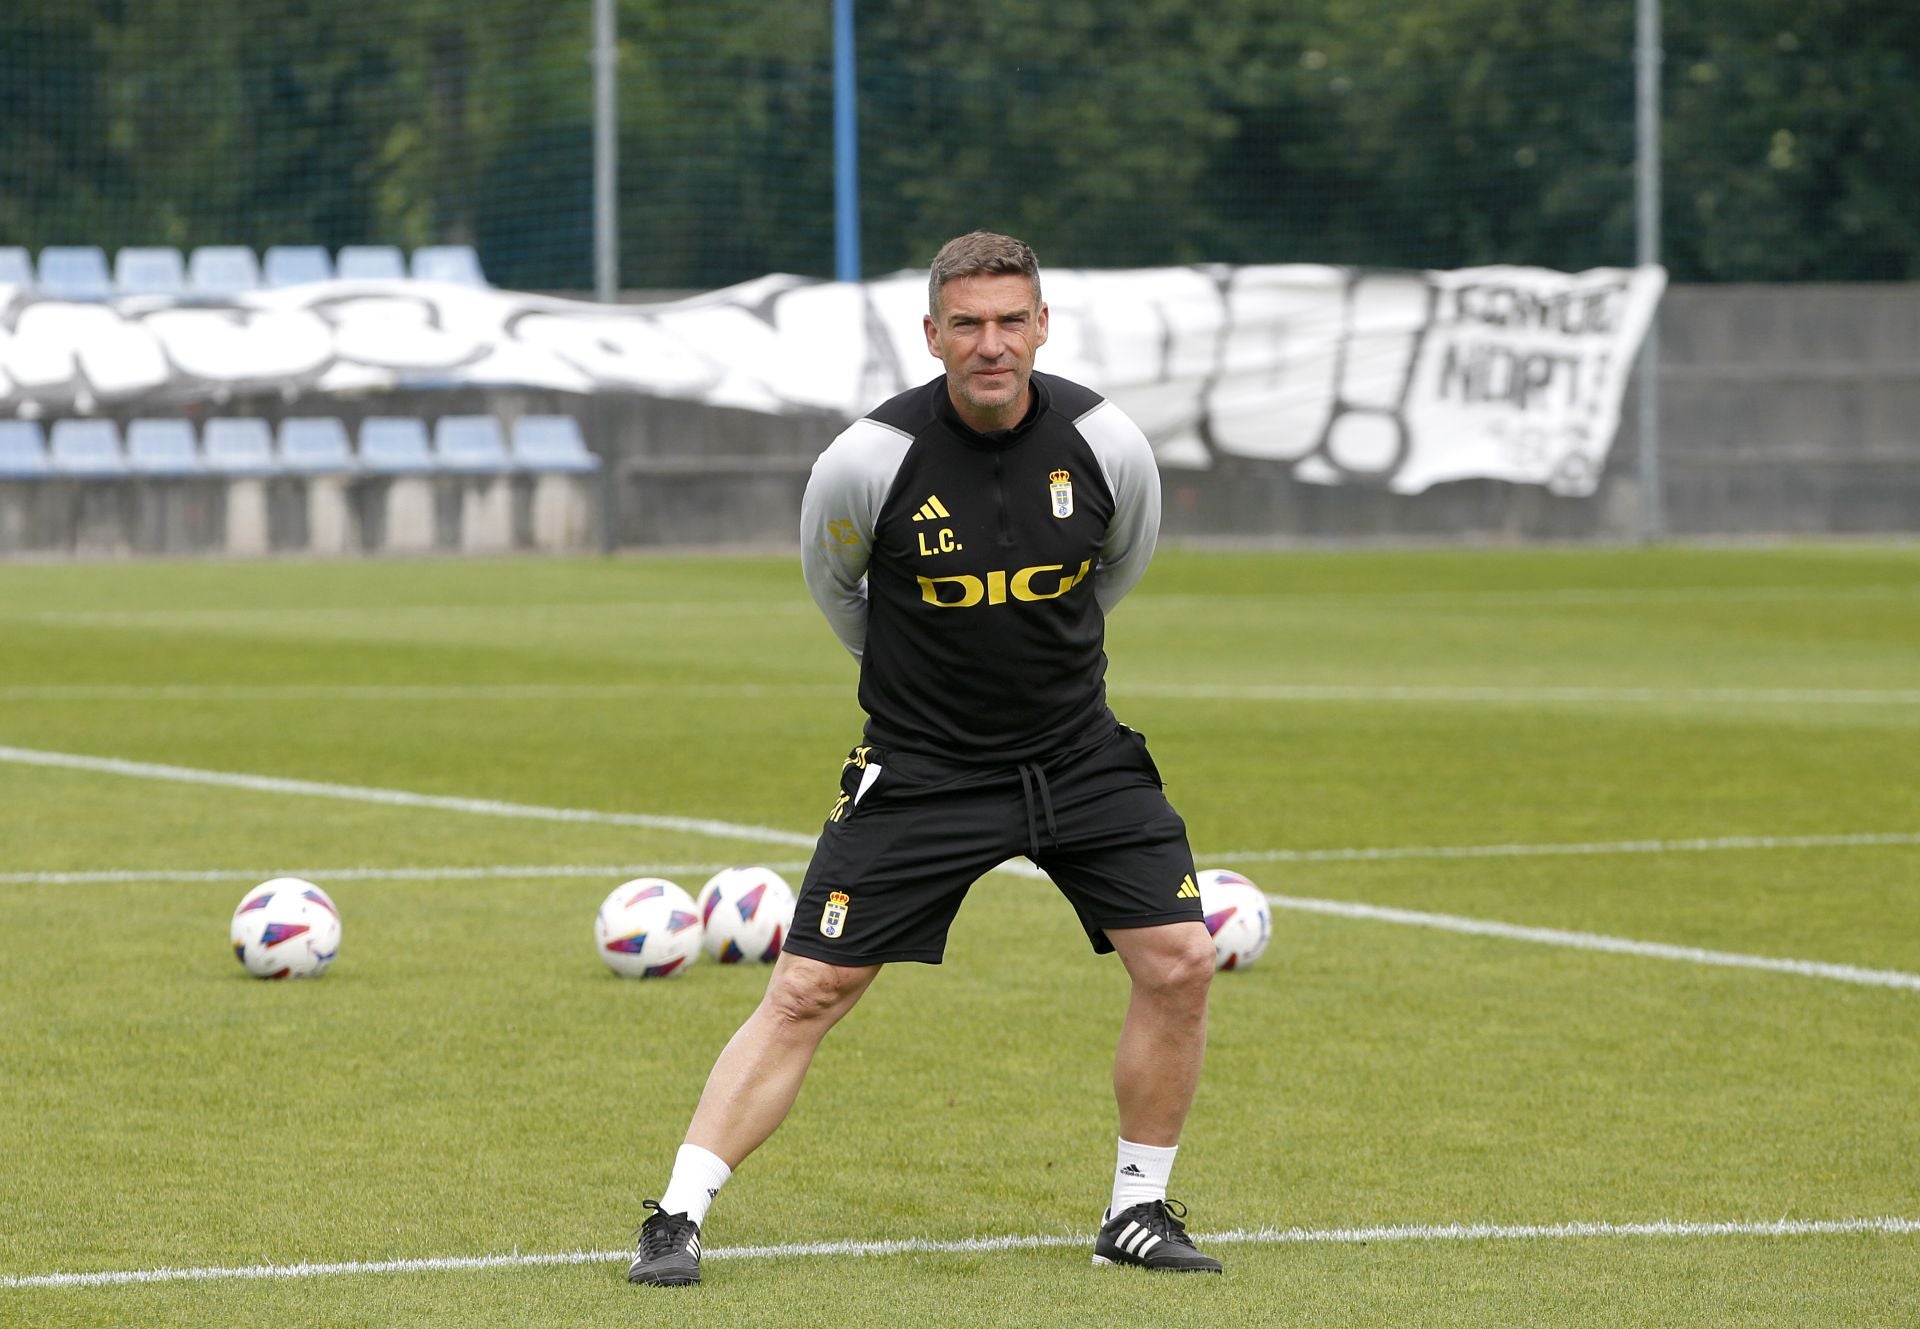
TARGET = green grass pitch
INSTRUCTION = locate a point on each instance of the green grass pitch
(1712, 751)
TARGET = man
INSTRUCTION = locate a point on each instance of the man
(966, 541)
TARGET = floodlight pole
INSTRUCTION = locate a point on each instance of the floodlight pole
(846, 148)
(606, 164)
(1647, 60)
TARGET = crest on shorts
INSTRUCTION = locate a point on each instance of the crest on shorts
(1060, 490)
(834, 917)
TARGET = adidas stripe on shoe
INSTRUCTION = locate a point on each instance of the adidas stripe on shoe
(1151, 1236)
(669, 1250)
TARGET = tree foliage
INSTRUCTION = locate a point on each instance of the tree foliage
(1423, 133)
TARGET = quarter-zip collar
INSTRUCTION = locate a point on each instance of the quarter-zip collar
(998, 440)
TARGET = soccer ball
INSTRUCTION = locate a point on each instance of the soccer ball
(286, 928)
(746, 913)
(648, 928)
(1238, 916)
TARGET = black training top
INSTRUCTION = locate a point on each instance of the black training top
(971, 574)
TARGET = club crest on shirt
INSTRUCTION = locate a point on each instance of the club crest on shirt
(833, 919)
(1060, 490)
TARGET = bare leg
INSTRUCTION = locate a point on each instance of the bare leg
(1156, 1068)
(758, 1075)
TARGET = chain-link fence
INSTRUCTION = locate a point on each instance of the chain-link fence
(1436, 133)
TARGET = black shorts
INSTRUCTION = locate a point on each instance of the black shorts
(910, 833)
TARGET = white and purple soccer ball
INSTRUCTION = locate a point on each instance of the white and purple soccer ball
(746, 914)
(1238, 916)
(647, 928)
(286, 928)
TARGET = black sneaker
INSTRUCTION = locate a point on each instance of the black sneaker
(669, 1250)
(1151, 1236)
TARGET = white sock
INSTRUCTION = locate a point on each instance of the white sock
(698, 1176)
(1141, 1174)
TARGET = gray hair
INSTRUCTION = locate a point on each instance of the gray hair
(981, 254)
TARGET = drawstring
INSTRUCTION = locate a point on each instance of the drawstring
(1032, 778)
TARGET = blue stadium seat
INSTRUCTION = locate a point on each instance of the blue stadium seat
(394, 444)
(16, 266)
(450, 263)
(370, 263)
(149, 270)
(74, 272)
(551, 443)
(237, 445)
(23, 449)
(223, 270)
(162, 447)
(86, 447)
(470, 443)
(314, 445)
(291, 265)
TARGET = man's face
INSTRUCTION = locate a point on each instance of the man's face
(986, 332)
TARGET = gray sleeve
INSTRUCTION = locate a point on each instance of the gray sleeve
(1126, 460)
(838, 512)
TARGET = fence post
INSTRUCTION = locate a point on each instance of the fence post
(1647, 60)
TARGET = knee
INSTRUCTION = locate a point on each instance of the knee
(804, 993)
(1181, 971)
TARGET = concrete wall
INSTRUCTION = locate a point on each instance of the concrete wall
(319, 515)
(1791, 410)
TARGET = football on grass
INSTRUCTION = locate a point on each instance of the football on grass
(286, 928)
(745, 914)
(1238, 916)
(648, 928)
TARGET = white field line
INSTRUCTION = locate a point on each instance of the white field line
(531, 871)
(1264, 1236)
(268, 784)
(1444, 922)
(1593, 941)
(1251, 692)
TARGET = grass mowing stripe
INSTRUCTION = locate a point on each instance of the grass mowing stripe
(1861, 840)
(1276, 692)
(1511, 695)
(1593, 941)
(1295, 1236)
(113, 876)
(398, 797)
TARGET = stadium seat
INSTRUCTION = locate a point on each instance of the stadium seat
(222, 270)
(86, 447)
(149, 270)
(551, 443)
(291, 265)
(162, 447)
(313, 445)
(16, 266)
(470, 443)
(450, 263)
(74, 272)
(237, 445)
(23, 449)
(370, 263)
(394, 444)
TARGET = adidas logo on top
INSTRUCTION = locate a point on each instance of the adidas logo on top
(932, 510)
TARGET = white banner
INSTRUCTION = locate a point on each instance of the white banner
(1395, 379)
